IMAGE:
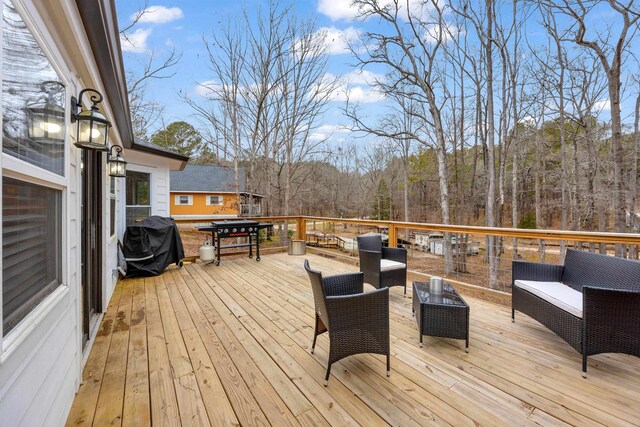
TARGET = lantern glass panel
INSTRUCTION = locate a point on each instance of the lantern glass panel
(84, 131)
(91, 134)
(99, 133)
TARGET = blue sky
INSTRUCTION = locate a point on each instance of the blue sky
(183, 23)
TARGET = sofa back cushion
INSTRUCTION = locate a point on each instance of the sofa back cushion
(603, 271)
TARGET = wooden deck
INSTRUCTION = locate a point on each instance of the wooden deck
(230, 345)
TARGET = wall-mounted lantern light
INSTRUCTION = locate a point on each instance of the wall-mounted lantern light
(46, 119)
(93, 126)
(117, 165)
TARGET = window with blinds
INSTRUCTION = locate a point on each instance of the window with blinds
(33, 131)
(183, 200)
(31, 247)
(214, 200)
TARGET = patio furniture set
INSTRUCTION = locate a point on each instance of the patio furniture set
(592, 302)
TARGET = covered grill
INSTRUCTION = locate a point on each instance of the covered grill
(150, 245)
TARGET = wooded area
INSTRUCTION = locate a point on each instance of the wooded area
(508, 113)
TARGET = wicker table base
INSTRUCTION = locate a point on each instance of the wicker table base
(445, 315)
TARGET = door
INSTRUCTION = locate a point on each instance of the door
(92, 171)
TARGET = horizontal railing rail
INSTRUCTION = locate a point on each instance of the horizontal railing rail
(474, 255)
(394, 226)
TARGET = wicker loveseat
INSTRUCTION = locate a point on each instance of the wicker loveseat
(592, 301)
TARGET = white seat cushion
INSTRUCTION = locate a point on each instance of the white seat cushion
(387, 264)
(556, 293)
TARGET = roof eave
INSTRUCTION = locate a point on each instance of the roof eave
(160, 152)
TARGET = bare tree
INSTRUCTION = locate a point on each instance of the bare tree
(145, 111)
(483, 20)
(560, 66)
(611, 51)
(223, 108)
(633, 179)
(265, 98)
(411, 51)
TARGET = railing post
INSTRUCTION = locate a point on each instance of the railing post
(301, 226)
(393, 235)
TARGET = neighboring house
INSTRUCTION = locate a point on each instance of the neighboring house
(62, 214)
(206, 192)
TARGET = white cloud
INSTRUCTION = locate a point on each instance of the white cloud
(360, 77)
(208, 89)
(338, 10)
(359, 94)
(528, 120)
(358, 86)
(135, 42)
(159, 15)
(337, 41)
(602, 105)
(432, 33)
(327, 131)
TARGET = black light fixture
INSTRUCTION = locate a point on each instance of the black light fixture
(46, 124)
(93, 126)
(117, 165)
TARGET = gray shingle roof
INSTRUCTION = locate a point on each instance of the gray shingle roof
(206, 178)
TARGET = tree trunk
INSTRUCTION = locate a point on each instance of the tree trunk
(633, 179)
(492, 250)
(618, 151)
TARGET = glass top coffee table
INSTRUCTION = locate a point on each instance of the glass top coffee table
(441, 315)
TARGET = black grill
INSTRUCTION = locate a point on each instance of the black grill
(234, 229)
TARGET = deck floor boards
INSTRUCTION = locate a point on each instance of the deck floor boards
(229, 345)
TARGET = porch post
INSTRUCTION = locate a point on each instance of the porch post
(393, 235)
(301, 226)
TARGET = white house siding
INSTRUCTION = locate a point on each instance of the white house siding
(41, 359)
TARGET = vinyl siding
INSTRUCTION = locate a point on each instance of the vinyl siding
(199, 207)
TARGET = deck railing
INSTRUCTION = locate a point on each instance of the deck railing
(250, 209)
(475, 255)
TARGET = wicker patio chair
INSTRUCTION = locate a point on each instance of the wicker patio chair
(357, 322)
(382, 267)
(610, 303)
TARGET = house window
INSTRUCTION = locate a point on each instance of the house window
(184, 200)
(214, 200)
(31, 247)
(34, 132)
(33, 98)
(138, 196)
(112, 206)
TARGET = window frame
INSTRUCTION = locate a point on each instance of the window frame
(208, 200)
(151, 195)
(15, 168)
(113, 201)
(178, 200)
